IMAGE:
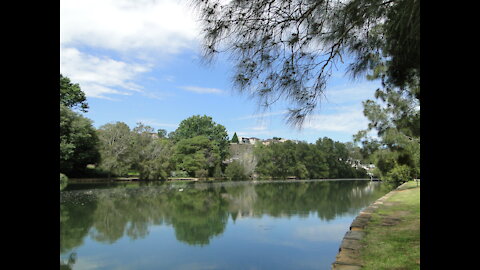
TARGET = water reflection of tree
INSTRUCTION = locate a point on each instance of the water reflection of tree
(75, 222)
(197, 216)
(126, 211)
(328, 199)
(201, 212)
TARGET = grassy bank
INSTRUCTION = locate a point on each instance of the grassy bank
(392, 239)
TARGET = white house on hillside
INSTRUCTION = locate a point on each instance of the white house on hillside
(248, 140)
(253, 140)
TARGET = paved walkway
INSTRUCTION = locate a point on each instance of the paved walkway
(348, 254)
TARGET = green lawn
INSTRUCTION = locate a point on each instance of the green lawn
(392, 239)
(133, 173)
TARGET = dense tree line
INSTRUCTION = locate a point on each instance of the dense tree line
(195, 148)
(181, 154)
(199, 147)
(120, 150)
(324, 159)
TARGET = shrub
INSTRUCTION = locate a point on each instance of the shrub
(217, 172)
(179, 173)
(399, 174)
(201, 173)
(235, 171)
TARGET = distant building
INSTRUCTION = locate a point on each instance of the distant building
(248, 140)
(274, 140)
(267, 141)
(244, 140)
(254, 140)
(357, 164)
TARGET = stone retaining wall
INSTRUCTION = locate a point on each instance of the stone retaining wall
(348, 257)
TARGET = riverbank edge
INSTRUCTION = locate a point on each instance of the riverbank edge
(348, 257)
(186, 179)
(136, 179)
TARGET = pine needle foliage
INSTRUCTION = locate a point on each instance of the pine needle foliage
(287, 50)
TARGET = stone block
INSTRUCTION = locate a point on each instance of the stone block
(354, 235)
(348, 256)
(359, 223)
(339, 266)
(350, 244)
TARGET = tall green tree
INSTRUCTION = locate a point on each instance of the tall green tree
(395, 117)
(265, 165)
(141, 138)
(336, 155)
(78, 139)
(116, 148)
(162, 133)
(234, 138)
(79, 143)
(158, 163)
(235, 171)
(288, 49)
(313, 159)
(150, 156)
(71, 95)
(203, 126)
(196, 154)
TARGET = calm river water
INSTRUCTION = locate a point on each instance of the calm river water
(191, 226)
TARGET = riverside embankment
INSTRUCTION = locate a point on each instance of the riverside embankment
(386, 234)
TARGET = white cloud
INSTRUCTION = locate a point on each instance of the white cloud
(250, 133)
(261, 115)
(165, 26)
(342, 111)
(351, 93)
(349, 121)
(169, 78)
(131, 29)
(155, 123)
(100, 76)
(260, 129)
(202, 90)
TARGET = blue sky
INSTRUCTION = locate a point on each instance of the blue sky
(139, 61)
